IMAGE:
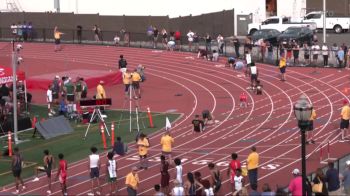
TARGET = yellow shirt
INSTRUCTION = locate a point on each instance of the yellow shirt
(282, 62)
(143, 146)
(126, 78)
(166, 141)
(313, 115)
(253, 161)
(136, 77)
(132, 180)
(100, 91)
(57, 35)
(345, 112)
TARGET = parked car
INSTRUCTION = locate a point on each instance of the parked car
(279, 23)
(269, 35)
(337, 24)
(299, 34)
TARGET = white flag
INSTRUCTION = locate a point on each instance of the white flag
(167, 124)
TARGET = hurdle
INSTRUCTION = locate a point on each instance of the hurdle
(328, 156)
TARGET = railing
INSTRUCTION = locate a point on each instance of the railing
(142, 40)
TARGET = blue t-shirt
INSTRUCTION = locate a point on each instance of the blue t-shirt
(341, 55)
(332, 179)
(346, 175)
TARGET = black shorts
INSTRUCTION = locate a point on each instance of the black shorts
(94, 172)
(54, 95)
(16, 172)
(344, 124)
(57, 41)
(143, 156)
(315, 56)
(47, 170)
(83, 94)
(127, 87)
(311, 125)
(70, 98)
(253, 77)
(205, 114)
(283, 69)
(136, 85)
(306, 56)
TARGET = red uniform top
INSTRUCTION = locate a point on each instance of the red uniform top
(243, 97)
(63, 168)
(234, 165)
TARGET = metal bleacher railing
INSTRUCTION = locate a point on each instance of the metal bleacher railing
(141, 40)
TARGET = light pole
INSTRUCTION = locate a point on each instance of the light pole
(324, 21)
(302, 112)
(14, 91)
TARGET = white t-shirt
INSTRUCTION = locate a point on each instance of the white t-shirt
(248, 58)
(14, 29)
(253, 70)
(179, 173)
(94, 158)
(209, 192)
(178, 191)
(315, 49)
(238, 182)
(49, 95)
(190, 36)
(324, 50)
(111, 168)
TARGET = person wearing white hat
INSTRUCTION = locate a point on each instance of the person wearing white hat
(295, 185)
(345, 177)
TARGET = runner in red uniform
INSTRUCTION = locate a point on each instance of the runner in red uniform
(243, 100)
(232, 168)
(62, 173)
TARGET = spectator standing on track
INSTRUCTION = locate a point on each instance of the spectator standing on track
(62, 173)
(94, 169)
(122, 63)
(345, 177)
(282, 67)
(119, 147)
(136, 79)
(155, 37)
(320, 178)
(57, 35)
(296, 51)
(132, 182)
(49, 100)
(344, 121)
(47, 168)
(158, 192)
(340, 57)
(97, 32)
(112, 172)
(101, 93)
(252, 166)
(167, 142)
(215, 177)
(220, 41)
(178, 190)
(164, 174)
(332, 179)
(127, 82)
(325, 54)
(178, 169)
(190, 35)
(310, 133)
(236, 44)
(198, 125)
(306, 50)
(295, 185)
(143, 146)
(16, 165)
(315, 52)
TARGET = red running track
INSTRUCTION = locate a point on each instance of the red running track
(267, 123)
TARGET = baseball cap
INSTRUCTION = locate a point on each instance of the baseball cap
(57, 76)
(102, 82)
(134, 168)
(295, 171)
